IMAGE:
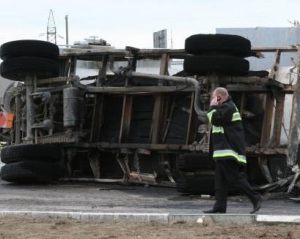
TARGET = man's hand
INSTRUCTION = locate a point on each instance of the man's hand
(215, 101)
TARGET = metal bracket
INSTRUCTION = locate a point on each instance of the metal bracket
(166, 166)
(123, 162)
(94, 162)
(70, 154)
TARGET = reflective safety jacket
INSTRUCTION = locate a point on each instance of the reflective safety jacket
(227, 135)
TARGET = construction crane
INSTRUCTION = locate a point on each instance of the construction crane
(51, 28)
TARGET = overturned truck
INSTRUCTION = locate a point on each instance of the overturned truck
(123, 125)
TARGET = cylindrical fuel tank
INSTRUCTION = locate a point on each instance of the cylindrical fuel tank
(71, 107)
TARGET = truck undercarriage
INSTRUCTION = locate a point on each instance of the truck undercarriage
(126, 126)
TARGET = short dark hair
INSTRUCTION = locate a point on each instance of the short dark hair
(222, 92)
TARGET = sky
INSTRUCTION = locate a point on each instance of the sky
(132, 22)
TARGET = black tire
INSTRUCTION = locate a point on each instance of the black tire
(182, 74)
(142, 115)
(196, 184)
(30, 152)
(194, 161)
(258, 73)
(177, 131)
(218, 43)
(180, 117)
(17, 68)
(34, 48)
(139, 134)
(218, 64)
(28, 172)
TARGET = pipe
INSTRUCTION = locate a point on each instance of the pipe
(186, 80)
(30, 88)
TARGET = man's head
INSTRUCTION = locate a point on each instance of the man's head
(220, 95)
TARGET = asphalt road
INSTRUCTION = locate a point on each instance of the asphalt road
(114, 198)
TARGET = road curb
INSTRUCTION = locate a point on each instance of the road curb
(91, 217)
(154, 217)
(278, 219)
(214, 218)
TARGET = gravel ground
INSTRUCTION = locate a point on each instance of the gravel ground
(13, 228)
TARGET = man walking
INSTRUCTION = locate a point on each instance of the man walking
(229, 151)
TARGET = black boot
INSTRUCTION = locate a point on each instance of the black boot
(256, 205)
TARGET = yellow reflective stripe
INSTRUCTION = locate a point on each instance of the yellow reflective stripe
(229, 153)
(209, 115)
(217, 129)
(236, 116)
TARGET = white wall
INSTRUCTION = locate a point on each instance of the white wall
(3, 85)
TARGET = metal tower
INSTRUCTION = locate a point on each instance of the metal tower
(51, 28)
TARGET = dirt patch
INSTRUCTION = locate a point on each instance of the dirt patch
(70, 229)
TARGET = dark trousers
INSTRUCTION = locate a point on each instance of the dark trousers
(228, 174)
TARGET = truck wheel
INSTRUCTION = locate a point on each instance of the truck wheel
(28, 172)
(34, 48)
(258, 73)
(218, 43)
(177, 131)
(30, 152)
(194, 161)
(218, 64)
(17, 68)
(195, 184)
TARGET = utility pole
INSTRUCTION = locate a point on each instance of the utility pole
(67, 31)
(51, 28)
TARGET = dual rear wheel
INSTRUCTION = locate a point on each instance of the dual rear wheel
(37, 162)
(31, 163)
(220, 54)
(27, 57)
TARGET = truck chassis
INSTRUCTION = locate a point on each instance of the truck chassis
(131, 127)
